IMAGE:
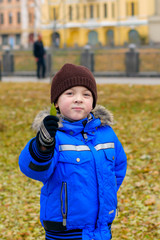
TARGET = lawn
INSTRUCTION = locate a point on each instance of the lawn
(136, 111)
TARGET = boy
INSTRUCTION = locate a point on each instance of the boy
(79, 160)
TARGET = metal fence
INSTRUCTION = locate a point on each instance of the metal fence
(110, 62)
(101, 61)
(150, 62)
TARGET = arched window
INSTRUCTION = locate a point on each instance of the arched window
(110, 37)
(134, 37)
(56, 39)
(93, 38)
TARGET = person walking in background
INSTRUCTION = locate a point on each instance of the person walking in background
(79, 159)
(39, 53)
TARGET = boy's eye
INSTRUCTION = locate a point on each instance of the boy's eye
(68, 93)
(87, 94)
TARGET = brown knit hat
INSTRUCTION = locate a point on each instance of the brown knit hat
(69, 76)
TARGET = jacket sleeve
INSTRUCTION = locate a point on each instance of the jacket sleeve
(37, 166)
(120, 163)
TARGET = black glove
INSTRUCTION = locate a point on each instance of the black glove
(48, 130)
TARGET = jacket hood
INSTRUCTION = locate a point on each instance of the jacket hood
(105, 116)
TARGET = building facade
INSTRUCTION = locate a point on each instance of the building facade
(17, 23)
(75, 22)
(96, 22)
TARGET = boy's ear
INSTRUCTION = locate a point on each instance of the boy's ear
(56, 105)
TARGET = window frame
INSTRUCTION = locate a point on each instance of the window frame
(5, 39)
(18, 17)
(105, 10)
(1, 18)
(10, 18)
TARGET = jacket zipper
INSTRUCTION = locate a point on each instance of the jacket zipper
(64, 202)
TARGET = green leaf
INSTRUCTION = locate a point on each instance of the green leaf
(52, 110)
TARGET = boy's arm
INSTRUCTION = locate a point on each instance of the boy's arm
(120, 164)
(38, 158)
(36, 164)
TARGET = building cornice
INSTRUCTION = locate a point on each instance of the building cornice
(95, 24)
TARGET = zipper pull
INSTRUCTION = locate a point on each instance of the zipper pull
(85, 136)
(64, 221)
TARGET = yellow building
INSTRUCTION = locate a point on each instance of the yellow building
(78, 22)
(97, 22)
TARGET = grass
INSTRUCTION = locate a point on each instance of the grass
(137, 112)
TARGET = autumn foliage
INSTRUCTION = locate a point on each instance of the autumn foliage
(136, 111)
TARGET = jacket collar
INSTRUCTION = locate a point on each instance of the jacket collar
(84, 125)
(101, 117)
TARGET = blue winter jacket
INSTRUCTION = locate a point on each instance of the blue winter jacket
(82, 177)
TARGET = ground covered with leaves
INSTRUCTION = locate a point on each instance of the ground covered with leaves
(136, 111)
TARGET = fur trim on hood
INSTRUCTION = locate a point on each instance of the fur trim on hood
(99, 111)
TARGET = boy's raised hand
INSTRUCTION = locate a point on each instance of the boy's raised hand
(48, 130)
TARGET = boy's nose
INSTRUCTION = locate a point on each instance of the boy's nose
(78, 98)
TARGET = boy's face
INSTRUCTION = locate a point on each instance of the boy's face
(75, 103)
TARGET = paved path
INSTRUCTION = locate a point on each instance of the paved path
(99, 80)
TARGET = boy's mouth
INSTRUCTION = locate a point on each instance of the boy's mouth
(77, 108)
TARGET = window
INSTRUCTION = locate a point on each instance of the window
(105, 10)
(134, 37)
(30, 17)
(18, 17)
(132, 8)
(97, 10)
(18, 39)
(1, 18)
(10, 18)
(70, 13)
(93, 38)
(77, 11)
(113, 10)
(91, 11)
(54, 14)
(4, 39)
(85, 12)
